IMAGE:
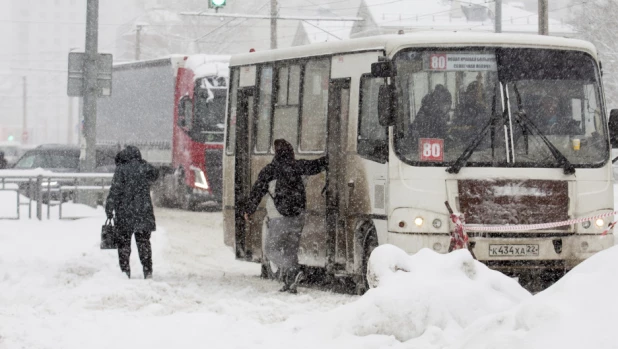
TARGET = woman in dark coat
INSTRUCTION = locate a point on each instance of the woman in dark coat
(129, 198)
(282, 179)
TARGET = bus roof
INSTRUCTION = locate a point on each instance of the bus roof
(393, 43)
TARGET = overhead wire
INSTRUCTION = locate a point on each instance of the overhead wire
(226, 23)
(533, 14)
(315, 5)
(429, 14)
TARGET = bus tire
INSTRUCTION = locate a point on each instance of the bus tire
(369, 242)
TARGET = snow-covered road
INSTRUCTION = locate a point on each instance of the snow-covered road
(59, 290)
(195, 251)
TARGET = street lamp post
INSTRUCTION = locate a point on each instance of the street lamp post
(70, 112)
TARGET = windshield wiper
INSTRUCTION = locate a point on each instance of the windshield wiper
(467, 153)
(527, 124)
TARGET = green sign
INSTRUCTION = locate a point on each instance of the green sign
(216, 3)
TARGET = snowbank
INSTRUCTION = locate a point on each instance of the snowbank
(579, 311)
(426, 299)
(59, 290)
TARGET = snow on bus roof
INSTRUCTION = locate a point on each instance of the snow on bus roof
(393, 43)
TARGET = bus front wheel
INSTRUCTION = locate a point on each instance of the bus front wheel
(370, 242)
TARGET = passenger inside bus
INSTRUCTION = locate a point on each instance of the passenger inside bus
(431, 119)
(471, 114)
(552, 122)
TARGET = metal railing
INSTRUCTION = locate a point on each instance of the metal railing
(51, 189)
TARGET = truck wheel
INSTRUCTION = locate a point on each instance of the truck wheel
(183, 192)
(368, 231)
(186, 203)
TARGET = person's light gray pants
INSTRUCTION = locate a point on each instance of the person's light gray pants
(283, 239)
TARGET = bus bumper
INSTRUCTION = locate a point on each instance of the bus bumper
(520, 252)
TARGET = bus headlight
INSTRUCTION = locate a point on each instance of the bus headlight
(418, 221)
(586, 224)
(200, 178)
(599, 223)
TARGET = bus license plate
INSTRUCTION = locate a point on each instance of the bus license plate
(514, 250)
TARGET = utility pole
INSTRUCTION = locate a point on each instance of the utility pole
(70, 121)
(543, 18)
(24, 127)
(138, 31)
(87, 157)
(498, 16)
(273, 24)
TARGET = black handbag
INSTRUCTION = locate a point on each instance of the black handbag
(109, 238)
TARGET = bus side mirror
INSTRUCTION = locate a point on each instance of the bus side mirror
(385, 106)
(382, 69)
(613, 128)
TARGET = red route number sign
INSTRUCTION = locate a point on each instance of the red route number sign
(431, 149)
(437, 61)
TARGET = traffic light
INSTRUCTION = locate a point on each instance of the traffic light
(216, 3)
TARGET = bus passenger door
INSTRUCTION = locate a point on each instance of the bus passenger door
(242, 171)
(336, 193)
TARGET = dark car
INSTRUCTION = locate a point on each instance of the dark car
(62, 158)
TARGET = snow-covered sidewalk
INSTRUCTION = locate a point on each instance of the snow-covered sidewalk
(59, 290)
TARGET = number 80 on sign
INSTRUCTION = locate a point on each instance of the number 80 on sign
(431, 149)
(438, 61)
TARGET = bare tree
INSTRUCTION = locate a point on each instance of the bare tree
(595, 21)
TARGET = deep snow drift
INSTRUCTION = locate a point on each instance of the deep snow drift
(579, 311)
(59, 290)
(421, 301)
(430, 295)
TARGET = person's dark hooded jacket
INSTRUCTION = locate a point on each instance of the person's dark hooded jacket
(289, 196)
(430, 121)
(129, 195)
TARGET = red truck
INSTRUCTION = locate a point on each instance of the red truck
(173, 110)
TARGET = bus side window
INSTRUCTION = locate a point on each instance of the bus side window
(372, 138)
(315, 106)
(264, 115)
(231, 121)
(286, 113)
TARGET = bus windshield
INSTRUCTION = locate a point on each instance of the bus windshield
(502, 107)
(209, 122)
